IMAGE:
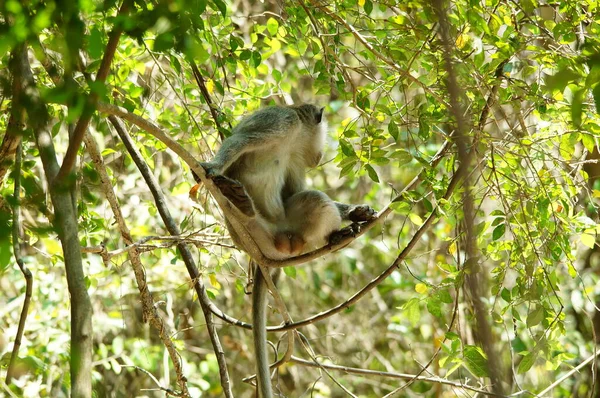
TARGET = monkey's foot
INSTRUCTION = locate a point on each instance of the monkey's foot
(361, 213)
(236, 193)
(350, 231)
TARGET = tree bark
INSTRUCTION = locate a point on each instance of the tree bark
(65, 223)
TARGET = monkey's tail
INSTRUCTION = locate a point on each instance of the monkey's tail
(259, 330)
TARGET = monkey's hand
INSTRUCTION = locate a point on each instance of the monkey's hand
(235, 192)
(361, 213)
(349, 231)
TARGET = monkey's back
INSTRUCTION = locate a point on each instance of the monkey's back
(266, 122)
(263, 170)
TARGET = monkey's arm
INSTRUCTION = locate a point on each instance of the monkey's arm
(230, 151)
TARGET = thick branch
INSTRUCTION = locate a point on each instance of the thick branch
(474, 279)
(65, 223)
(14, 129)
(186, 255)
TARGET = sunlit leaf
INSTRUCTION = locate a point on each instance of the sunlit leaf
(475, 361)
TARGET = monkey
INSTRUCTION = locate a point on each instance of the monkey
(261, 169)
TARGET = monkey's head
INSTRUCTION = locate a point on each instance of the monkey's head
(315, 128)
(310, 114)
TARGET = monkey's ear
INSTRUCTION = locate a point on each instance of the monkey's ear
(319, 115)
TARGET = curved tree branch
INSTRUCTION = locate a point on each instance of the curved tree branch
(237, 218)
(230, 212)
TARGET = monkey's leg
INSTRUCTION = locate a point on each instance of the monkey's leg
(311, 216)
(355, 213)
(236, 193)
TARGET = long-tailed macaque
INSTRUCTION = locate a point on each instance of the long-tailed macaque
(268, 154)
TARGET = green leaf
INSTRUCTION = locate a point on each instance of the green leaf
(505, 294)
(588, 240)
(290, 271)
(5, 251)
(95, 46)
(445, 296)
(347, 148)
(527, 362)
(475, 361)
(415, 219)
(163, 42)
(412, 311)
(272, 26)
(245, 55)
(596, 94)
(498, 231)
(393, 129)
(368, 7)
(560, 80)
(372, 173)
(401, 207)
(256, 59)
(588, 142)
(535, 317)
(577, 107)
(221, 6)
(434, 306)
(402, 155)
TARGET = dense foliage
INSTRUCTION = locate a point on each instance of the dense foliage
(529, 87)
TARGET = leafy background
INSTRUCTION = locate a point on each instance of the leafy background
(528, 73)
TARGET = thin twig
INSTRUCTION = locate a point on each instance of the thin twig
(394, 375)
(148, 306)
(142, 245)
(213, 109)
(168, 391)
(568, 374)
(17, 253)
